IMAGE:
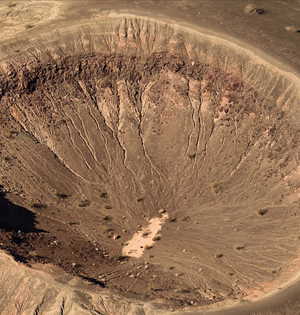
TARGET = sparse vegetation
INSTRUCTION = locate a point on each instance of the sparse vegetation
(146, 233)
(262, 211)
(215, 187)
(106, 217)
(84, 203)
(61, 195)
(108, 207)
(219, 255)
(172, 219)
(156, 238)
(28, 26)
(239, 247)
(103, 194)
(253, 8)
(39, 205)
(147, 247)
(140, 199)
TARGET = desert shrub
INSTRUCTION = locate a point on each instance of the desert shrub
(239, 247)
(140, 199)
(215, 187)
(39, 205)
(84, 203)
(219, 255)
(262, 211)
(106, 217)
(172, 219)
(156, 238)
(103, 194)
(147, 247)
(253, 8)
(108, 207)
(61, 195)
(146, 233)
(28, 26)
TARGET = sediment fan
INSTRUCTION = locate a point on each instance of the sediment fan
(105, 126)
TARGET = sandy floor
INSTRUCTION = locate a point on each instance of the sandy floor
(145, 238)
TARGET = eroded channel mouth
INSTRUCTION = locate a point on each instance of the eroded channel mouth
(108, 125)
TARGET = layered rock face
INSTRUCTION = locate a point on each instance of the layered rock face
(106, 125)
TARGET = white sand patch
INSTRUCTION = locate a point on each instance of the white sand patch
(140, 240)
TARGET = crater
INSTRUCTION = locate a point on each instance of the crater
(104, 126)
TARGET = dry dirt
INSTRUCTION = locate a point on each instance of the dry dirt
(107, 122)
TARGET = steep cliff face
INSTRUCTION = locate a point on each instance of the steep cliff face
(105, 125)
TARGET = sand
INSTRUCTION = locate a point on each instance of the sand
(143, 239)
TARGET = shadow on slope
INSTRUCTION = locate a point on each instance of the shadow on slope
(14, 218)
